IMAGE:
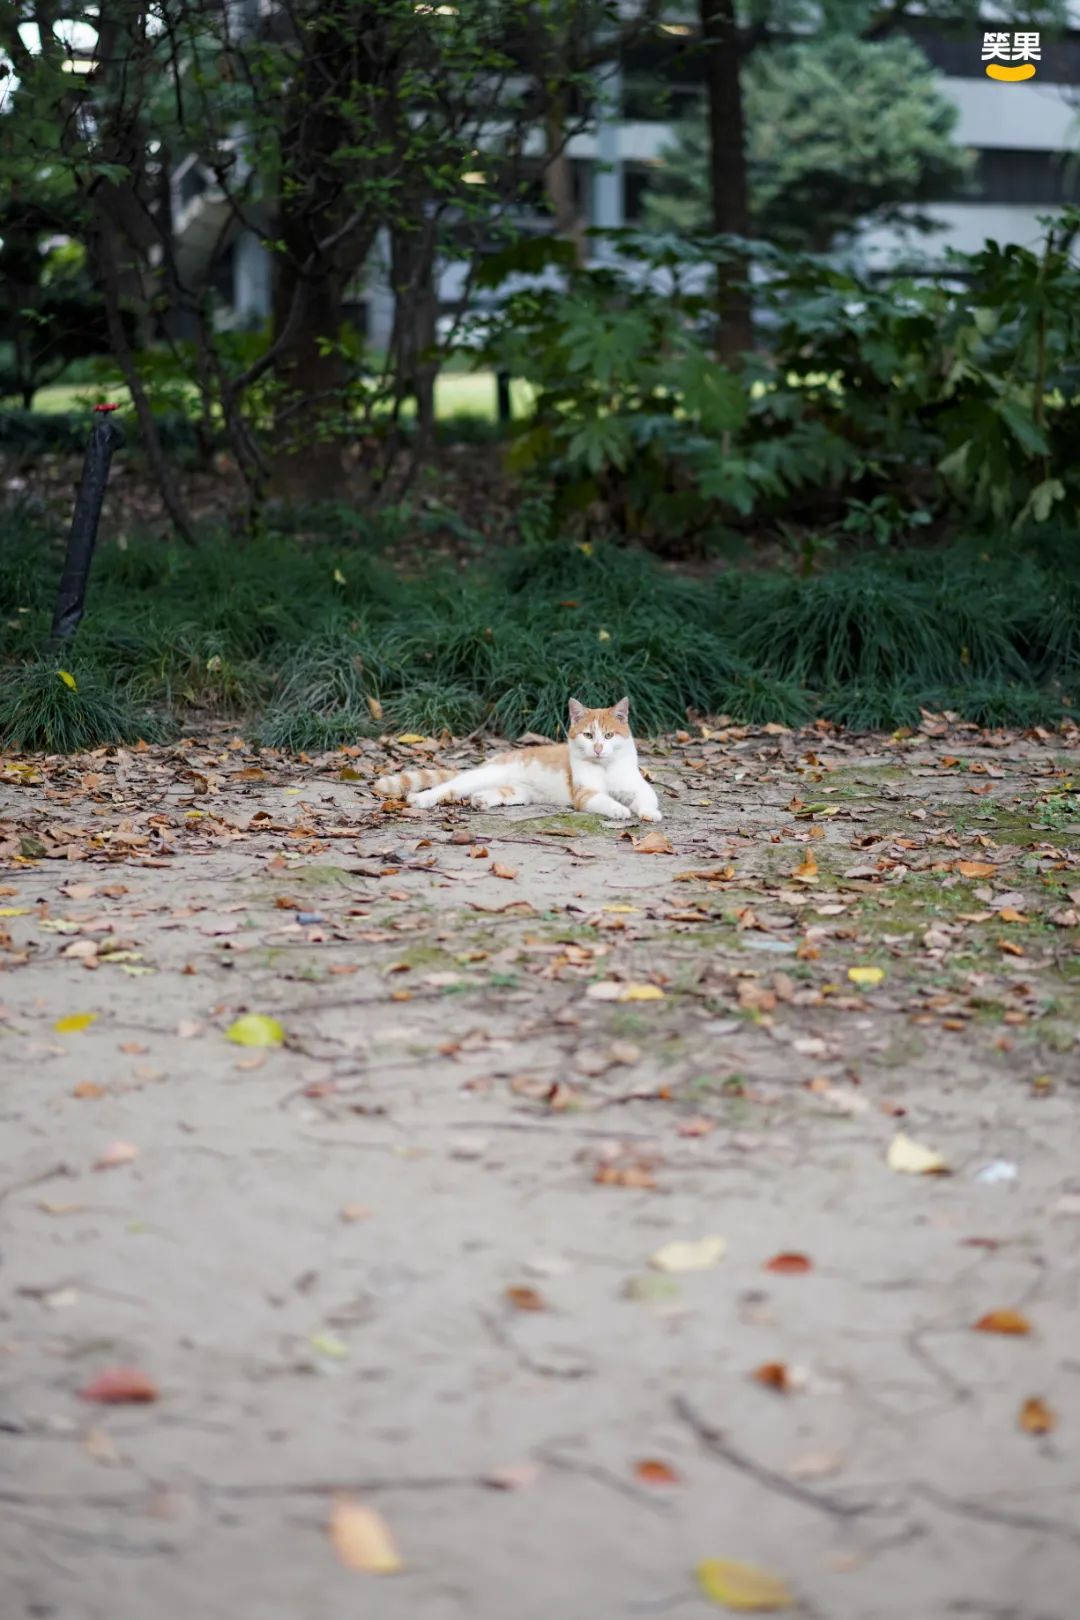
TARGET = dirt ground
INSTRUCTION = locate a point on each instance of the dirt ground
(417, 1259)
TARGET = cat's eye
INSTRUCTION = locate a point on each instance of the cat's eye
(609, 734)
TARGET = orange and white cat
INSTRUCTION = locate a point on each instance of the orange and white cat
(596, 769)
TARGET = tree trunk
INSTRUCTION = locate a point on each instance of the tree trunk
(415, 333)
(559, 182)
(309, 437)
(727, 170)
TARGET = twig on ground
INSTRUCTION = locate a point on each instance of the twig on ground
(716, 1442)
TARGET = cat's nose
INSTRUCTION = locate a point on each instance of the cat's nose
(598, 749)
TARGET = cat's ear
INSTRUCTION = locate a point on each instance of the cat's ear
(576, 711)
(621, 711)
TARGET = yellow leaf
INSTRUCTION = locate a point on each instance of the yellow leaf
(641, 992)
(68, 679)
(328, 1344)
(255, 1029)
(807, 870)
(74, 1022)
(362, 1538)
(626, 909)
(912, 1159)
(697, 1255)
(339, 577)
(866, 975)
(411, 737)
(24, 911)
(374, 708)
(742, 1587)
(603, 635)
(975, 869)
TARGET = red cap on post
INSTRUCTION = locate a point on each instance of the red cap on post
(106, 407)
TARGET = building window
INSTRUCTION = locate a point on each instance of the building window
(1035, 179)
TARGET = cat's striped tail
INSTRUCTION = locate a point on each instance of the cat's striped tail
(396, 787)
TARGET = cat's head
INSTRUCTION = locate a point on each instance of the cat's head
(599, 735)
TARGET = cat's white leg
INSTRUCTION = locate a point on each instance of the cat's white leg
(601, 804)
(462, 786)
(497, 797)
(644, 801)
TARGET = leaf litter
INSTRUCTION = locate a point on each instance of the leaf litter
(947, 927)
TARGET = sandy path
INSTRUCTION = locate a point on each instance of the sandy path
(311, 1251)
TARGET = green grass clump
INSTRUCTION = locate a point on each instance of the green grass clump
(41, 713)
(309, 636)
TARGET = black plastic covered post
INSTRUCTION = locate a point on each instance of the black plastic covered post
(502, 396)
(105, 437)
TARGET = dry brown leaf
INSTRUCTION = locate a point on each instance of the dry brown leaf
(653, 843)
(362, 1538)
(87, 1088)
(975, 869)
(630, 1175)
(1036, 1417)
(789, 1263)
(523, 1298)
(118, 1386)
(774, 1375)
(651, 1471)
(507, 872)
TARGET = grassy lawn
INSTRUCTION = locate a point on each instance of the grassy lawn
(471, 394)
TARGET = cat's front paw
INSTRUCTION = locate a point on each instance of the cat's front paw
(423, 800)
(617, 812)
(649, 815)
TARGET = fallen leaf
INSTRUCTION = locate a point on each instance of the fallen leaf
(1011, 1322)
(353, 1212)
(975, 869)
(637, 1176)
(514, 1477)
(411, 737)
(88, 1088)
(68, 679)
(651, 1471)
(115, 1154)
(774, 1375)
(866, 975)
(14, 911)
(641, 992)
(742, 1587)
(1036, 1417)
(697, 1255)
(362, 1538)
(118, 1386)
(74, 1022)
(526, 1299)
(255, 1029)
(653, 843)
(807, 870)
(507, 872)
(375, 708)
(789, 1263)
(910, 1158)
